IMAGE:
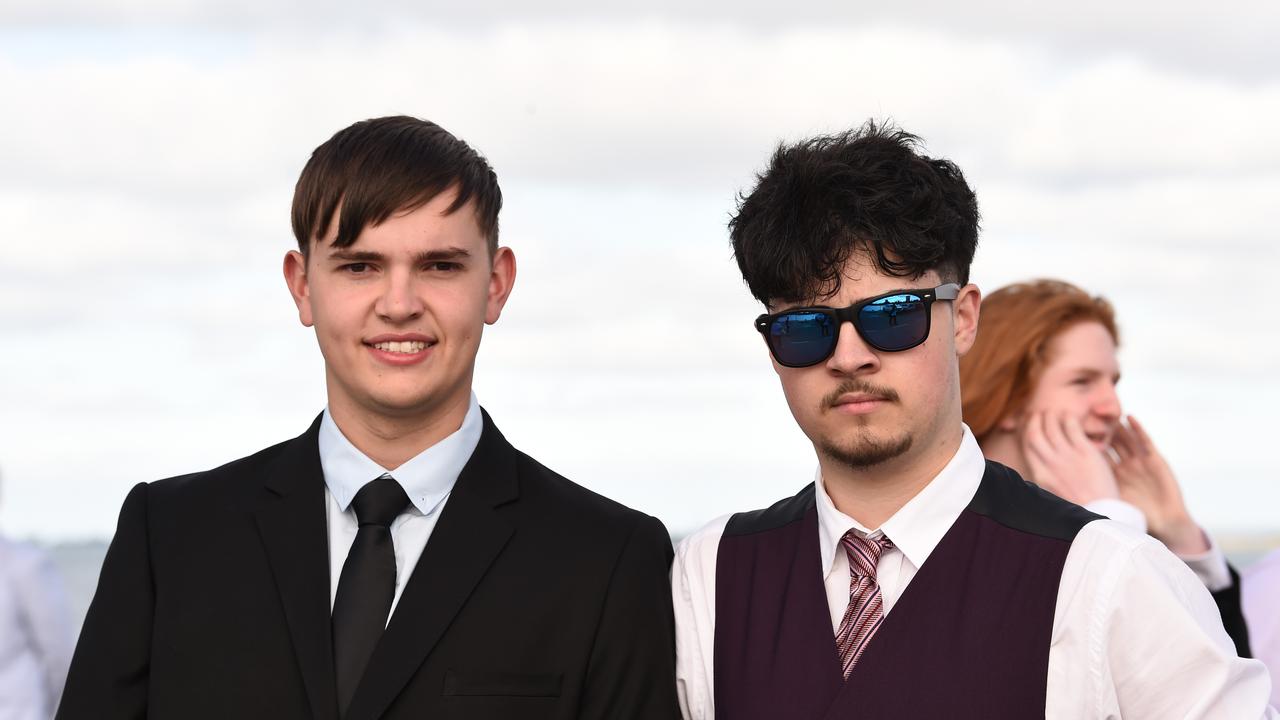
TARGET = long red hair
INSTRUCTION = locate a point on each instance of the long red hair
(1018, 322)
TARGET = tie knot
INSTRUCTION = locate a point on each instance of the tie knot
(380, 501)
(864, 553)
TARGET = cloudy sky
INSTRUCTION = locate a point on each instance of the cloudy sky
(148, 152)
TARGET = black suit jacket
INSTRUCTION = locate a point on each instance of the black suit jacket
(534, 598)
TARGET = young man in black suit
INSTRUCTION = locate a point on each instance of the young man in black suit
(399, 558)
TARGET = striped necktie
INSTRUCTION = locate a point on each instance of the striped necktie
(865, 614)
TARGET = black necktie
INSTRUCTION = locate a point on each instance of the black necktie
(367, 584)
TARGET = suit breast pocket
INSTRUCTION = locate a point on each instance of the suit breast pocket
(486, 683)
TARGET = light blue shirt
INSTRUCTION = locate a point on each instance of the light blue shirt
(427, 478)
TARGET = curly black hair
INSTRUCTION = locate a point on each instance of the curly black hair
(866, 189)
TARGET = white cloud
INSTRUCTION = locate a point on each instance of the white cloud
(145, 177)
(1234, 37)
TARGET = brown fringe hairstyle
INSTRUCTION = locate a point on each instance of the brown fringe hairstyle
(1018, 322)
(386, 165)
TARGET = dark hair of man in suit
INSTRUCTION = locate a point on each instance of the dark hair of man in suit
(868, 188)
(378, 167)
(396, 221)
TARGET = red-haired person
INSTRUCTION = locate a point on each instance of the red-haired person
(1038, 391)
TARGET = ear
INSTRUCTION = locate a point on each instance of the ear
(295, 276)
(502, 277)
(965, 309)
(1009, 423)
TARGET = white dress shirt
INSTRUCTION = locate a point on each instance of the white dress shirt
(1135, 633)
(36, 637)
(1210, 566)
(427, 478)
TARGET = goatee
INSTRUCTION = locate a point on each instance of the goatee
(865, 452)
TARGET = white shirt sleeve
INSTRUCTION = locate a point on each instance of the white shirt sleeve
(693, 586)
(1210, 566)
(1120, 511)
(1155, 645)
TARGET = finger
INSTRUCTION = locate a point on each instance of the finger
(1112, 456)
(1127, 475)
(1054, 434)
(1041, 474)
(1074, 433)
(1122, 441)
(1041, 442)
(1040, 456)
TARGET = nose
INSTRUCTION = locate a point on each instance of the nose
(1106, 404)
(399, 301)
(852, 355)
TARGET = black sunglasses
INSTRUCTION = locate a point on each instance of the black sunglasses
(891, 322)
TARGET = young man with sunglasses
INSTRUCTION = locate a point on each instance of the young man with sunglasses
(399, 559)
(913, 578)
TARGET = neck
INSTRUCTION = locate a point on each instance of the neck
(872, 495)
(392, 440)
(1003, 447)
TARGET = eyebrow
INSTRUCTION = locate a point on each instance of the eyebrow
(1094, 372)
(420, 258)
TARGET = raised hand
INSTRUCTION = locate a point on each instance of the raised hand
(1063, 460)
(1146, 481)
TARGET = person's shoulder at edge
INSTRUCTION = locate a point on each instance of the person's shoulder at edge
(584, 517)
(696, 552)
(1106, 542)
(240, 479)
(1110, 554)
(1153, 618)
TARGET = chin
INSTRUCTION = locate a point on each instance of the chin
(866, 450)
(401, 404)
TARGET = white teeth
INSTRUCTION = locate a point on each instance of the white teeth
(407, 346)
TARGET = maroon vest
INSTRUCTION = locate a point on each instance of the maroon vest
(967, 640)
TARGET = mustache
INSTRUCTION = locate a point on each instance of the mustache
(858, 386)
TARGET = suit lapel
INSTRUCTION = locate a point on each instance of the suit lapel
(291, 522)
(468, 538)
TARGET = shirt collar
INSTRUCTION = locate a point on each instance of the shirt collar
(919, 525)
(427, 478)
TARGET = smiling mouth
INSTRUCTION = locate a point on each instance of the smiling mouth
(407, 347)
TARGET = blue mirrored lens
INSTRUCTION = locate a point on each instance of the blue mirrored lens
(896, 322)
(802, 338)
